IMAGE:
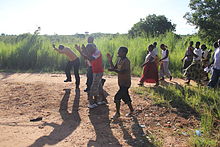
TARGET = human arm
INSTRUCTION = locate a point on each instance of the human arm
(149, 58)
(166, 56)
(122, 66)
(56, 49)
(194, 54)
(109, 57)
(184, 56)
(79, 49)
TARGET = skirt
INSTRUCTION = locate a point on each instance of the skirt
(195, 71)
(150, 73)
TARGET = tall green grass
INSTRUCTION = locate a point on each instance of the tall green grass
(34, 52)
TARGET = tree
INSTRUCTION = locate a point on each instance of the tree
(205, 15)
(152, 25)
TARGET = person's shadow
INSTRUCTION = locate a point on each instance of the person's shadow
(99, 118)
(140, 139)
(70, 122)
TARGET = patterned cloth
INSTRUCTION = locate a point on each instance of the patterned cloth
(195, 71)
(96, 87)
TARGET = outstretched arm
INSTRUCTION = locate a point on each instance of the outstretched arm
(90, 58)
(56, 49)
(110, 61)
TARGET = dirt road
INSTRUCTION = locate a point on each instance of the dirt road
(66, 120)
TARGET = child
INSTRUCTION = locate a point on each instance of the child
(73, 61)
(164, 62)
(96, 93)
(150, 72)
(122, 67)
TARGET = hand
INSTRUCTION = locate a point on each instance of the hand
(83, 47)
(109, 57)
(77, 47)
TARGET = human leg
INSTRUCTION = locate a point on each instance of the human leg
(161, 72)
(126, 98)
(166, 69)
(76, 65)
(94, 90)
(67, 72)
(117, 100)
(89, 78)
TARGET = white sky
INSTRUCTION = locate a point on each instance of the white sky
(78, 16)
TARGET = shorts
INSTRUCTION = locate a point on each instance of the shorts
(96, 87)
(122, 94)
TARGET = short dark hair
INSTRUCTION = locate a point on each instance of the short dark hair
(197, 43)
(155, 43)
(123, 49)
(61, 47)
(90, 39)
(151, 46)
(203, 46)
(162, 45)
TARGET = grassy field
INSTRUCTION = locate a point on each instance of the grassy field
(35, 53)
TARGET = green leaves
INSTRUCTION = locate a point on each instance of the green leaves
(205, 15)
(152, 25)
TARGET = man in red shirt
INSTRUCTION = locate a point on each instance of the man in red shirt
(96, 94)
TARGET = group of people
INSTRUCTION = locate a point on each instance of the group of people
(95, 81)
(152, 62)
(198, 62)
(195, 60)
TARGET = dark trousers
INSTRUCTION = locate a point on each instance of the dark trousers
(89, 76)
(75, 64)
(214, 79)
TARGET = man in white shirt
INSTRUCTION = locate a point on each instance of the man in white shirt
(216, 68)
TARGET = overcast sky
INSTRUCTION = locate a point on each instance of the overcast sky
(67, 17)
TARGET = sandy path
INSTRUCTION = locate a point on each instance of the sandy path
(66, 119)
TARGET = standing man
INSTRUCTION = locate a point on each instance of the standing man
(216, 68)
(96, 93)
(73, 62)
